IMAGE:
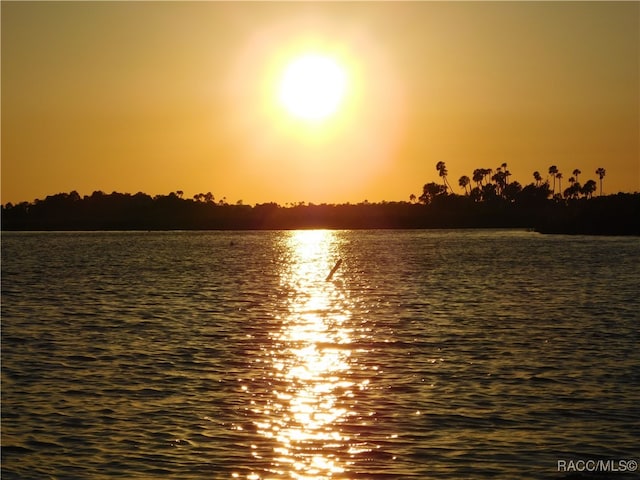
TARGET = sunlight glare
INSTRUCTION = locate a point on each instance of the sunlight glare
(340, 155)
(312, 87)
(312, 368)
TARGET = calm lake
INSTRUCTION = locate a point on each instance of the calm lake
(427, 354)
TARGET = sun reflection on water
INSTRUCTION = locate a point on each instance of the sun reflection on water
(310, 365)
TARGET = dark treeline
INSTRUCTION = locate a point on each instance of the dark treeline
(614, 214)
(494, 202)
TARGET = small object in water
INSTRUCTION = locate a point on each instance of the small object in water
(333, 270)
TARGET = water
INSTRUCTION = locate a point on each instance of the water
(428, 354)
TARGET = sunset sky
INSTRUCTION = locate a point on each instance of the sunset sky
(165, 96)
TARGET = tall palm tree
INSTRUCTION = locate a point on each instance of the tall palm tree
(570, 192)
(576, 172)
(559, 177)
(552, 171)
(537, 177)
(487, 172)
(500, 178)
(464, 181)
(506, 173)
(442, 171)
(601, 173)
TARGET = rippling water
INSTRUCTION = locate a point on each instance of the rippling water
(428, 354)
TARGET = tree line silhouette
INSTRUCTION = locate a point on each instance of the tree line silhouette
(494, 185)
(490, 200)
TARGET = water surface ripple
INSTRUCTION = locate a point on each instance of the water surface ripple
(428, 354)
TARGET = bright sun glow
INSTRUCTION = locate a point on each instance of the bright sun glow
(312, 87)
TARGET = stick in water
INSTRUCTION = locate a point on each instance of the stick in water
(333, 270)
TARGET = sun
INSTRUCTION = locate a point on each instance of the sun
(312, 87)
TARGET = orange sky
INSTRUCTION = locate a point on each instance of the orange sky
(165, 96)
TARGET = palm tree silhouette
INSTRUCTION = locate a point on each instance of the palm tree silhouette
(507, 173)
(442, 171)
(553, 170)
(588, 188)
(500, 179)
(464, 182)
(601, 173)
(559, 177)
(576, 172)
(537, 177)
(478, 176)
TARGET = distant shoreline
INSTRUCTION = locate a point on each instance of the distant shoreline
(607, 215)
